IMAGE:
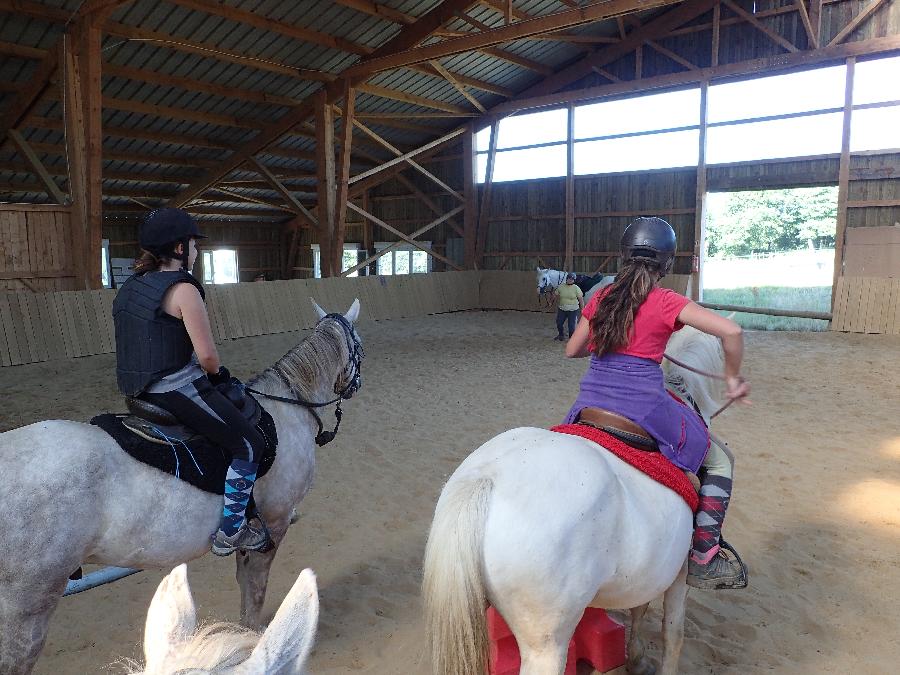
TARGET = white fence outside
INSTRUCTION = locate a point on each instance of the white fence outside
(810, 267)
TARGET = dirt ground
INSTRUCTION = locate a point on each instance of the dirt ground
(816, 510)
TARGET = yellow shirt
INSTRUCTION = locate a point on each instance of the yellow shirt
(569, 295)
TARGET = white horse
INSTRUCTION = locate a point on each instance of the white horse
(173, 644)
(72, 496)
(542, 525)
(548, 280)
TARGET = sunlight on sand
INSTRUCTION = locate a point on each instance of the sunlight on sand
(891, 448)
(873, 503)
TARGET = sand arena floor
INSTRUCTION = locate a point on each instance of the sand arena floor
(816, 510)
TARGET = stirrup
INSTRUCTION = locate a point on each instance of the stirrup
(713, 584)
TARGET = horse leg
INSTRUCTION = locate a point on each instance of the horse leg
(253, 579)
(638, 662)
(674, 603)
(547, 659)
(24, 617)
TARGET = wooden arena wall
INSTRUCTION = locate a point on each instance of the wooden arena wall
(37, 327)
(35, 248)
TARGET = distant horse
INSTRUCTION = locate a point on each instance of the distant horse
(72, 495)
(173, 644)
(548, 280)
(542, 525)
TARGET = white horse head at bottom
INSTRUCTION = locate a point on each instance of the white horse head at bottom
(173, 643)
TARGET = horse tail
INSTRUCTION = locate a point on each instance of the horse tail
(452, 586)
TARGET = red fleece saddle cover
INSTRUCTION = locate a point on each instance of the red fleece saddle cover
(654, 464)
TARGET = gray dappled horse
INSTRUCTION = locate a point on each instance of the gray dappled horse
(71, 495)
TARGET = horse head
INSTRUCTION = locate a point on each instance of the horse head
(349, 380)
(172, 643)
(544, 284)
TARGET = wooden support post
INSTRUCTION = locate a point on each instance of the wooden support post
(343, 177)
(325, 181)
(484, 211)
(570, 190)
(700, 208)
(470, 190)
(367, 230)
(52, 188)
(843, 180)
(815, 20)
(716, 30)
(84, 139)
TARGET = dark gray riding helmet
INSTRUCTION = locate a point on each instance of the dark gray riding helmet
(650, 239)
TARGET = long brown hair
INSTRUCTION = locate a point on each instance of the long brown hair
(151, 262)
(612, 322)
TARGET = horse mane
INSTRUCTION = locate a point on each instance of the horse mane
(704, 352)
(308, 363)
(213, 647)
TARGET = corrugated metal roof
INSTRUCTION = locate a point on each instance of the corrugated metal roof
(273, 51)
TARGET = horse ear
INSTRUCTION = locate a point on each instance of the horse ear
(539, 269)
(171, 618)
(288, 640)
(353, 313)
(321, 313)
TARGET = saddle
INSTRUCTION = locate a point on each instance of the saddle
(158, 425)
(154, 436)
(618, 426)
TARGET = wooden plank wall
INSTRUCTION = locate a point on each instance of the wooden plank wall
(867, 305)
(37, 327)
(35, 248)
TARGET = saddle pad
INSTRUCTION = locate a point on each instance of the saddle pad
(651, 463)
(179, 460)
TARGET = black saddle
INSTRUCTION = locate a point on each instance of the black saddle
(158, 425)
(154, 436)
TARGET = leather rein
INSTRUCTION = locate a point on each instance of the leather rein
(323, 436)
(714, 376)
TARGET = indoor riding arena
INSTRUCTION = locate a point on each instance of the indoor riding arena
(428, 157)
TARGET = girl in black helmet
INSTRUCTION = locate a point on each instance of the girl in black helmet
(166, 355)
(625, 328)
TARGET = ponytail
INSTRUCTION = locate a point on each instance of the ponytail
(614, 318)
(146, 262)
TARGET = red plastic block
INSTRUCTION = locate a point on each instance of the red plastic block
(598, 640)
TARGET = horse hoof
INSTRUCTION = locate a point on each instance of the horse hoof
(643, 667)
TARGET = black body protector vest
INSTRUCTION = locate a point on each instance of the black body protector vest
(150, 344)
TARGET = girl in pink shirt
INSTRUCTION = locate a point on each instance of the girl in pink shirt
(624, 329)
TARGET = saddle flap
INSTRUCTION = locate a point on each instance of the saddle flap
(152, 413)
(160, 434)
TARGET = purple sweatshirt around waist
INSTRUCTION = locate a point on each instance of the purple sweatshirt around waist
(635, 388)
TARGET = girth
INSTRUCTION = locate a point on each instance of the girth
(619, 426)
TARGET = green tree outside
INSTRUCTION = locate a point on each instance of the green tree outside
(767, 221)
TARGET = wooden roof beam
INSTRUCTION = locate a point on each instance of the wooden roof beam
(257, 21)
(656, 28)
(403, 52)
(505, 54)
(395, 95)
(758, 25)
(381, 11)
(466, 81)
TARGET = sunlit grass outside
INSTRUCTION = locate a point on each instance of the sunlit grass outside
(809, 298)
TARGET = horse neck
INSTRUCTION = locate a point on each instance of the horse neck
(703, 352)
(309, 370)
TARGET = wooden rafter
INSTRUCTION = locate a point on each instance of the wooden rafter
(409, 239)
(49, 184)
(504, 54)
(20, 107)
(278, 27)
(656, 28)
(393, 94)
(677, 58)
(812, 35)
(385, 60)
(856, 22)
(447, 75)
(212, 51)
(758, 25)
(375, 9)
(283, 190)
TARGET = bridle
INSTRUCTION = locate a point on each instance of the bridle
(356, 354)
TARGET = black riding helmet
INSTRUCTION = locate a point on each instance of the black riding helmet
(165, 227)
(652, 240)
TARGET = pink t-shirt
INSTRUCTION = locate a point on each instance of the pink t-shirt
(654, 322)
